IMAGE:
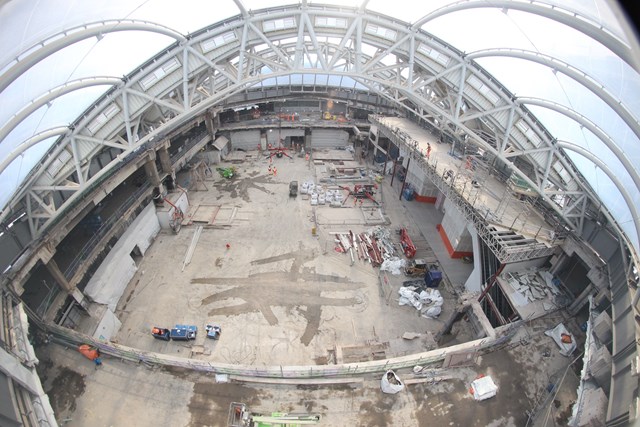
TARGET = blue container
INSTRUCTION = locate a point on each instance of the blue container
(408, 193)
(432, 279)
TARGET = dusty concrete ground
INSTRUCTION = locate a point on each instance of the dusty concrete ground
(284, 296)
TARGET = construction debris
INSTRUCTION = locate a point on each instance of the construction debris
(532, 285)
(373, 246)
(428, 301)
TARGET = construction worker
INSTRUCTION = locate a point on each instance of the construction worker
(428, 150)
(270, 166)
(275, 171)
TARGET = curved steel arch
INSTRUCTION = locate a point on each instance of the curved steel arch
(52, 94)
(393, 86)
(612, 176)
(59, 41)
(568, 17)
(35, 139)
(579, 118)
(578, 75)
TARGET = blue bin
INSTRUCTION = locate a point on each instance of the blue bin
(408, 194)
(432, 279)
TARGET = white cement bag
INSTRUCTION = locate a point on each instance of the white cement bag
(390, 383)
(394, 265)
(432, 312)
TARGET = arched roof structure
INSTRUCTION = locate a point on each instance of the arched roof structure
(575, 142)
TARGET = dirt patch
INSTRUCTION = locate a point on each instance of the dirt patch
(377, 413)
(65, 389)
(313, 315)
(209, 405)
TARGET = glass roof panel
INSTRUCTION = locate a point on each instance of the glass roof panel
(27, 22)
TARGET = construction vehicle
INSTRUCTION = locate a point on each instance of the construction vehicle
(408, 247)
(293, 188)
(183, 332)
(361, 192)
(240, 416)
(160, 333)
(227, 173)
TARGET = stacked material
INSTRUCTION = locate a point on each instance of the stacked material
(532, 285)
(372, 246)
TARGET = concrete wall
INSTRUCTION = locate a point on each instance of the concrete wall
(474, 281)
(523, 265)
(165, 213)
(454, 232)
(112, 277)
(424, 189)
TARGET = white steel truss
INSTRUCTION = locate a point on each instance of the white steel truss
(339, 46)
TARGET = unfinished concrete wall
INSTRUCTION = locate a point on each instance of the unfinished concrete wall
(112, 277)
(523, 265)
(424, 189)
(165, 213)
(474, 281)
(454, 232)
(274, 134)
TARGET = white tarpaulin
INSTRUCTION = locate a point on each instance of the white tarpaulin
(390, 383)
(568, 345)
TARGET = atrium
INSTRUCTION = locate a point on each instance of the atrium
(336, 213)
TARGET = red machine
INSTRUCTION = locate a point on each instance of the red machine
(361, 191)
(407, 245)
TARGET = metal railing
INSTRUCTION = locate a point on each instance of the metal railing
(85, 252)
(503, 252)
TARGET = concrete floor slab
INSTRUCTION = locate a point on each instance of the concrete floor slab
(283, 296)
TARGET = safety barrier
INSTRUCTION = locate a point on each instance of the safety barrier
(70, 337)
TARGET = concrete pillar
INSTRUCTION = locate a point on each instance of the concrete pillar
(53, 268)
(152, 172)
(454, 233)
(582, 299)
(211, 126)
(165, 160)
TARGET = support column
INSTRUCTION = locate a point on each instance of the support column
(582, 299)
(165, 160)
(151, 170)
(53, 268)
(211, 126)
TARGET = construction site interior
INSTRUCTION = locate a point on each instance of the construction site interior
(399, 251)
(245, 213)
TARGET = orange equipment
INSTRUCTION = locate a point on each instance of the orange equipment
(89, 352)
